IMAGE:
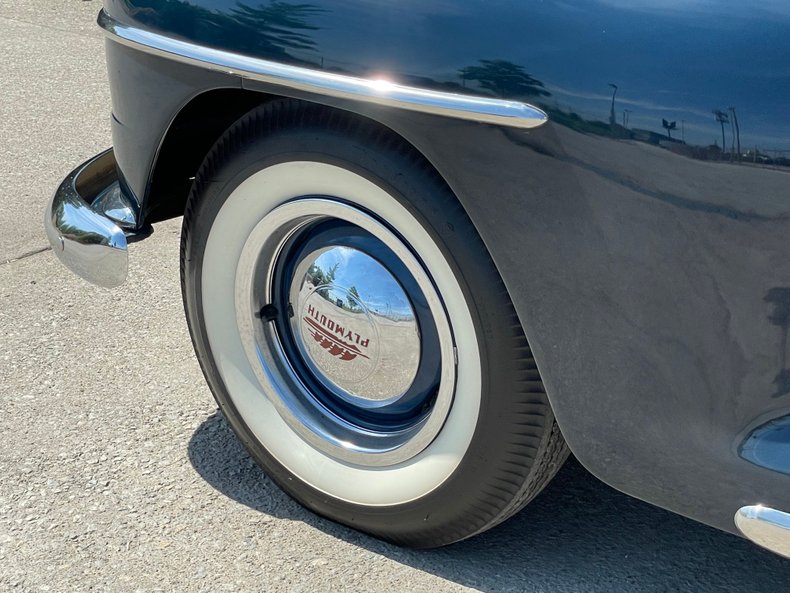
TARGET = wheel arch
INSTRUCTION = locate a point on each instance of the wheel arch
(198, 124)
(192, 132)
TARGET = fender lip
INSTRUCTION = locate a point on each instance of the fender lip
(504, 112)
(87, 242)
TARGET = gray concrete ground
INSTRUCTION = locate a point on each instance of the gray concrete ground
(117, 474)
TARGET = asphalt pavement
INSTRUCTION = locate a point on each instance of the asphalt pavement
(118, 474)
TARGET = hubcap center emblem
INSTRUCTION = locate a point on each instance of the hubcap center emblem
(339, 334)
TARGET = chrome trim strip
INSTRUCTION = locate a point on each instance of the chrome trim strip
(380, 92)
(87, 242)
(765, 527)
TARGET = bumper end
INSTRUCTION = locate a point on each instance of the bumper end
(86, 241)
(765, 527)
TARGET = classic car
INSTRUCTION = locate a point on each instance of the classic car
(431, 247)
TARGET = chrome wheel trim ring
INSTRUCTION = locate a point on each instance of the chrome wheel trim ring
(255, 287)
(247, 204)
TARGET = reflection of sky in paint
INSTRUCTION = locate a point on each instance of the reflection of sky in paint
(379, 291)
(673, 59)
(670, 60)
(705, 7)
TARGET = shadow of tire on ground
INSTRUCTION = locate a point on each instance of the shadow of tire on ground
(578, 535)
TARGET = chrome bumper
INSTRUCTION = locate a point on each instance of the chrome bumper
(766, 527)
(84, 219)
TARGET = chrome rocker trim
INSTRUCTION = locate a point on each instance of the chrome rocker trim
(88, 242)
(380, 92)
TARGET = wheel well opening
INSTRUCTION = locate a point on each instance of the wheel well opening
(196, 128)
(188, 139)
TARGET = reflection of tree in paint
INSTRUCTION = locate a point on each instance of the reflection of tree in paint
(504, 79)
(273, 29)
(669, 126)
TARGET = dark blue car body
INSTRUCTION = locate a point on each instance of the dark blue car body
(643, 233)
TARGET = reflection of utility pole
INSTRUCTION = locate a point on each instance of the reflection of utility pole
(722, 118)
(737, 130)
(683, 130)
(612, 120)
(625, 118)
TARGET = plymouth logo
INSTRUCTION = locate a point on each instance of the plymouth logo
(336, 339)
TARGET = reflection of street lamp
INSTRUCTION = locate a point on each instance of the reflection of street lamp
(611, 113)
(722, 118)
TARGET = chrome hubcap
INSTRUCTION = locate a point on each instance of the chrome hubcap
(355, 326)
(346, 332)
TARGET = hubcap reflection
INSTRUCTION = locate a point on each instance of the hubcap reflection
(355, 326)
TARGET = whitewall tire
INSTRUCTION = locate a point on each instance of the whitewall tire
(355, 332)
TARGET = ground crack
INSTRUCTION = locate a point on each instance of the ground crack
(24, 255)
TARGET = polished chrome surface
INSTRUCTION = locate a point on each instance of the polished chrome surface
(766, 527)
(116, 206)
(381, 92)
(355, 326)
(88, 243)
(325, 430)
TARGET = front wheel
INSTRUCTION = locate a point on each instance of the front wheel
(355, 332)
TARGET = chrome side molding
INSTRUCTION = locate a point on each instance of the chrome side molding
(765, 527)
(86, 241)
(381, 92)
